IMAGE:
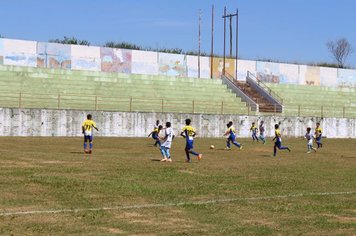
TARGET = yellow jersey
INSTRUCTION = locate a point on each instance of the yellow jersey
(253, 128)
(277, 133)
(188, 131)
(231, 130)
(88, 126)
(318, 131)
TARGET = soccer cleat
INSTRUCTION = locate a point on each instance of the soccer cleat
(200, 156)
(308, 151)
(289, 150)
(164, 159)
(169, 160)
(187, 161)
(227, 148)
(240, 147)
(90, 152)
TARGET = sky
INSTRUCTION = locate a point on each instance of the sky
(294, 31)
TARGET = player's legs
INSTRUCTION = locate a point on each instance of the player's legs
(280, 147)
(228, 147)
(156, 138)
(233, 140)
(187, 154)
(189, 150)
(90, 144)
(85, 143)
(262, 138)
(163, 152)
(318, 142)
(168, 154)
(275, 148)
(86, 140)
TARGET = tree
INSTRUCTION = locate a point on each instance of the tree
(71, 40)
(340, 49)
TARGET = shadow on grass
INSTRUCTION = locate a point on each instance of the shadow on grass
(77, 152)
(346, 156)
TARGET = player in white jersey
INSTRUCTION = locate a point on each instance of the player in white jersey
(309, 138)
(167, 142)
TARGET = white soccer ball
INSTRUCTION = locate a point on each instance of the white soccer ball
(212, 146)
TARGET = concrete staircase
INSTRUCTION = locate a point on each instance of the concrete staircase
(263, 104)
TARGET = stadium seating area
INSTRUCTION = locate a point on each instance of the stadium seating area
(28, 87)
(316, 100)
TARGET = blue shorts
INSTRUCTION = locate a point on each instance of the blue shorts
(154, 136)
(88, 138)
(189, 144)
(318, 139)
(232, 138)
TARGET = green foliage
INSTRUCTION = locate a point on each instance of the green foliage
(125, 45)
(70, 40)
(195, 53)
(326, 64)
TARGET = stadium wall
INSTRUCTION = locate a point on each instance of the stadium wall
(77, 57)
(42, 122)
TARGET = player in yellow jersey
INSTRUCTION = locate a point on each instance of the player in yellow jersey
(231, 136)
(87, 129)
(189, 133)
(155, 135)
(318, 135)
(254, 130)
(278, 143)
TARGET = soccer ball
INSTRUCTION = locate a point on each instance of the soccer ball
(212, 146)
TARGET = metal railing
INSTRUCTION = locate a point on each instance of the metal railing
(229, 81)
(262, 85)
(141, 104)
(117, 103)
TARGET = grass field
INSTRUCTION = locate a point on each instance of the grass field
(235, 192)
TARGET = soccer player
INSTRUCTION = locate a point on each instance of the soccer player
(167, 142)
(262, 132)
(318, 134)
(309, 138)
(231, 133)
(189, 133)
(254, 129)
(278, 143)
(156, 125)
(155, 136)
(87, 130)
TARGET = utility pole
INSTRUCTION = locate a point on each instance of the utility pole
(224, 16)
(230, 16)
(199, 44)
(212, 42)
(237, 39)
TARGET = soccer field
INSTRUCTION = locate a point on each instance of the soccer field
(49, 187)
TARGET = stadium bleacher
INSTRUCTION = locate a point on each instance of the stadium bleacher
(316, 100)
(29, 87)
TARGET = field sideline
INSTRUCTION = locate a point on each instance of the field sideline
(49, 187)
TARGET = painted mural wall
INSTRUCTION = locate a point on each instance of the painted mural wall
(92, 58)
